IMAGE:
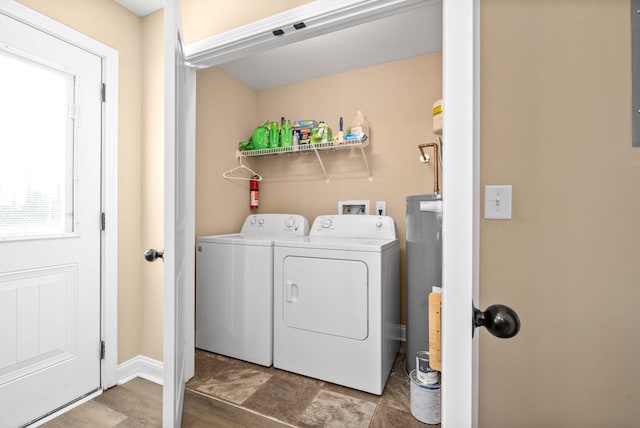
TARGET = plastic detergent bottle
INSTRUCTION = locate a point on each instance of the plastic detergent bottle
(359, 126)
(286, 134)
(321, 133)
(274, 135)
(260, 137)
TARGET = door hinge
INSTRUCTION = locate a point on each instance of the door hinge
(103, 92)
(73, 111)
(102, 351)
(103, 221)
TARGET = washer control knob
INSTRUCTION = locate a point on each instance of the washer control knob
(326, 223)
(378, 224)
(261, 221)
(253, 220)
(289, 222)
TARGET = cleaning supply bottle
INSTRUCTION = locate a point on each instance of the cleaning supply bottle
(359, 126)
(286, 134)
(340, 139)
(437, 117)
(260, 137)
(321, 134)
(296, 140)
(274, 135)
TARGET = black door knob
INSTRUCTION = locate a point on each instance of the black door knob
(500, 320)
(152, 255)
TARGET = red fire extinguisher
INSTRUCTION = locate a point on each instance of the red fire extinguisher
(253, 190)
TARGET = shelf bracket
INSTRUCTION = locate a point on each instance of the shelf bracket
(324, 170)
(366, 164)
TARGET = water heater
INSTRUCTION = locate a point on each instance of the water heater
(424, 269)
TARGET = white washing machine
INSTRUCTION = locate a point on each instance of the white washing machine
(336, 301)
(234, 287)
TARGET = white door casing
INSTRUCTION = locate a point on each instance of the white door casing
(49, 275)
(179, 219)
(461, 152)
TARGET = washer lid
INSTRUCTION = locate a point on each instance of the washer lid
(237, 239)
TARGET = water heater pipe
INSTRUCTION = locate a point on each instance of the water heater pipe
(436, 164)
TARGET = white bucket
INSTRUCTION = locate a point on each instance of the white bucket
(425, 400)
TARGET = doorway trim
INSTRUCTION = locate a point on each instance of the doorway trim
(109, 176)
(461, 92)
(461, 207)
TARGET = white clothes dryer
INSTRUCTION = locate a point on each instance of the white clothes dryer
(336, 301)
(234, 287)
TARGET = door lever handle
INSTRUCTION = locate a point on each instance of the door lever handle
(500, 320)
(151, 255)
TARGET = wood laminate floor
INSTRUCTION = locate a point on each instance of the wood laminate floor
(230, 393)
(138, 403)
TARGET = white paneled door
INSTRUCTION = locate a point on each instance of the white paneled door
(179, 219)
(50, 171)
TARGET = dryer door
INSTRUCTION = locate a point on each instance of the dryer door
(327, 296)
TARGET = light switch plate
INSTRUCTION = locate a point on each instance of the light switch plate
(497, 202)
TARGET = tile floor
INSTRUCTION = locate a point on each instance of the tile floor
(301, 401)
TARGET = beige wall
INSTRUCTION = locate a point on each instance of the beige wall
(152, 167)
(206, 18)
(226, 111)
(100, 19)
(555, 119)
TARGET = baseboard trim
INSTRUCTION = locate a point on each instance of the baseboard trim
(140, 366)
(402, 332)
(396, 332)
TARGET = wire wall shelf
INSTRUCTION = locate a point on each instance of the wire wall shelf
(312, 148)
(305, 148)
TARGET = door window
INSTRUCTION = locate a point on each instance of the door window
(37, 112)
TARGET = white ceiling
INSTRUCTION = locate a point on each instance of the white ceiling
(142, 7)
(405, 35)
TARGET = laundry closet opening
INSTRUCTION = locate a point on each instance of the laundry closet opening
(386, 63)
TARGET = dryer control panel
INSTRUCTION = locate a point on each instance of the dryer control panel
(354, 226)
(276, 225)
